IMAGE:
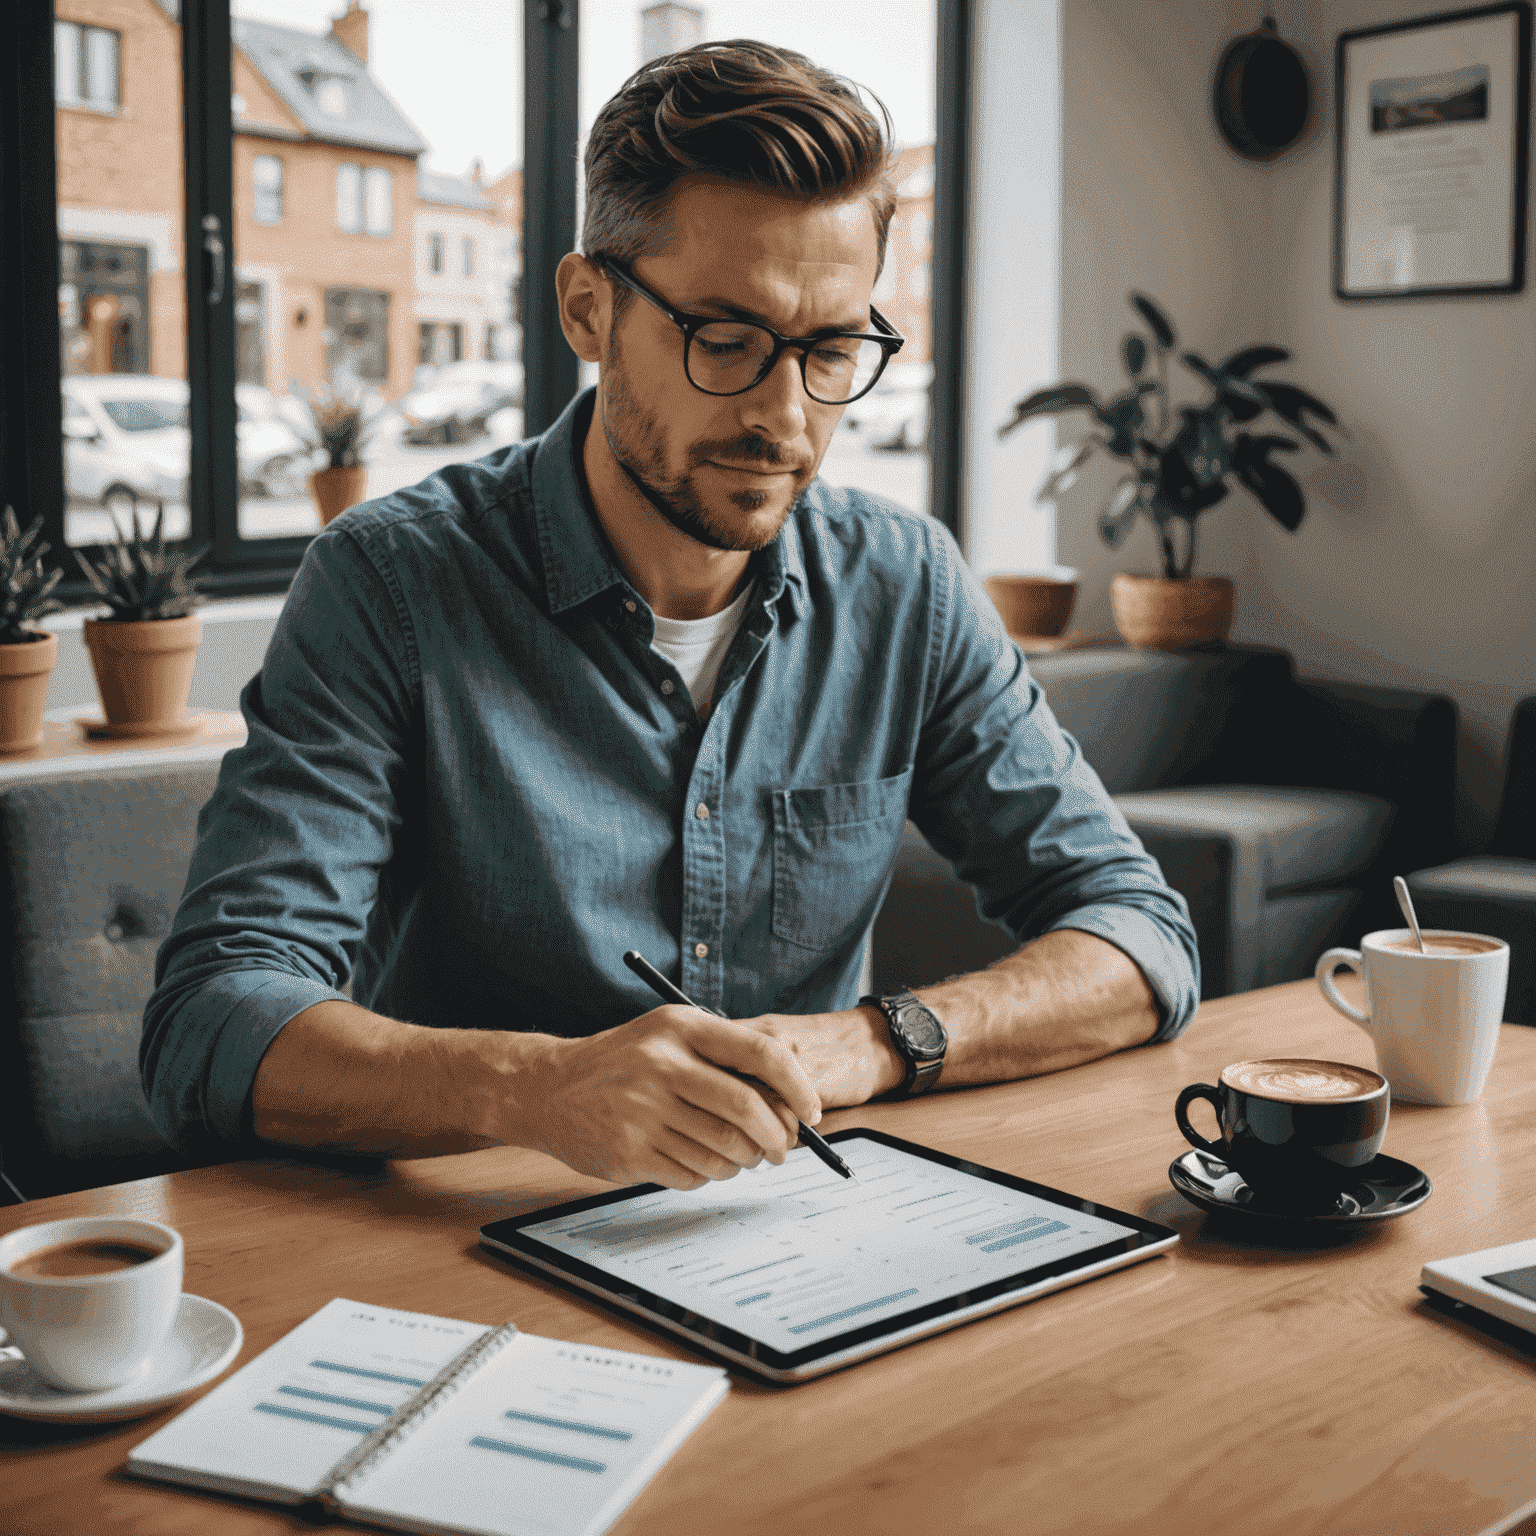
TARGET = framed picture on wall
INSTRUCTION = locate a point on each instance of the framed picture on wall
(1432, 143)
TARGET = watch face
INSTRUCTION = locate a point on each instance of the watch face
(921, 1030)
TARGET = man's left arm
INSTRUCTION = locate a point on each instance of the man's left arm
(1108, 956)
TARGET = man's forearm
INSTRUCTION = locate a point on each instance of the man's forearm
(1066, 998)
(342, 1078)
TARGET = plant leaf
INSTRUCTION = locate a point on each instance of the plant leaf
(1118, 515)
(1161, 329)
(1274, 487)
(1134, 350)
(1064, 474)
(1051, 402)
(1294, 404)
(1242, 363)
(1224, 383)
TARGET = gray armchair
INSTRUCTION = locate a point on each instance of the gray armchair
(91, 870)
(1495, 892)
(1279, 809)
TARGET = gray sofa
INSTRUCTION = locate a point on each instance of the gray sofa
(1279, 808)
(1495, 891)
(92, 867)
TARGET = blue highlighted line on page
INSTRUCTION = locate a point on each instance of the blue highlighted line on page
(553, 1458)
(357, 1370)
(315, 1418)
(571, 1424)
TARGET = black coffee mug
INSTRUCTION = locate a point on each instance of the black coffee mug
(1293, 1128)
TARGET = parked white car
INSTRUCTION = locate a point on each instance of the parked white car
(126, 441)
(894, 414)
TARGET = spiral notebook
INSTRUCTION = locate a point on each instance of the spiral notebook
(424, 1423)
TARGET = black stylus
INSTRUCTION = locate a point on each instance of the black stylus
(668, 993)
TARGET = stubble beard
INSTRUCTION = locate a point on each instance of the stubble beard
(637, 441)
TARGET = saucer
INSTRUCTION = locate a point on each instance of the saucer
(1384, 1187)
(202, 1342)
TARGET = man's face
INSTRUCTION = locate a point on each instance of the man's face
(727, 470)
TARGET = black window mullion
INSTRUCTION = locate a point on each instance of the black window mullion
(952, 154)
(551, 130)
(31, 412)
(207, 83)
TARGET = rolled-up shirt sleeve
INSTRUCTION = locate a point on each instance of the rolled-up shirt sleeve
(290, 849)
(1008, 798)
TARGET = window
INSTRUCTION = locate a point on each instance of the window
(267, 189)
(128, 261)
(434, 254)
(86, 66)
(331, 97)
(378, 200)
(349, 199)
(469, 256)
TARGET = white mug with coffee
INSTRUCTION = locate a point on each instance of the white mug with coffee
(88, 1300)
(1434, 1016)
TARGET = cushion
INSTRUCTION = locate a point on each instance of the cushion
(1304, 838)
(93, 868)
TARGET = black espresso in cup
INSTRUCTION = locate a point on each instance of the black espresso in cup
(1295, 1128)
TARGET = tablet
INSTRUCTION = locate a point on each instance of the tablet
(793, 1271)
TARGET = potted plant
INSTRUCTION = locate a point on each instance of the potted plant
(144, 651)
(27, 655)
(1176, 472)
(339, 428)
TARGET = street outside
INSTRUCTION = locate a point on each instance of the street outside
(392, 464)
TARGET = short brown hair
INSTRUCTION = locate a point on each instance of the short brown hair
(743, 110)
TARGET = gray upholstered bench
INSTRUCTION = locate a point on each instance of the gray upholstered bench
(1278, 808)
(1495, 891)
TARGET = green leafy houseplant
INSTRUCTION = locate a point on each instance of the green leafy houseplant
(25, 584)
(1177, 472)
(139, 579)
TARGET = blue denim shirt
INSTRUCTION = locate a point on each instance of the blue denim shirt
(470, 784)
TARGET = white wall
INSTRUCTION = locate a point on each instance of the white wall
(1417, 562)
(1014, 261)
(1414, 567)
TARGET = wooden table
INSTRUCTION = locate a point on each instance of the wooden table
(1230, 1386)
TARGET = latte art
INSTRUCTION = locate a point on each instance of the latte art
(1302, 1081)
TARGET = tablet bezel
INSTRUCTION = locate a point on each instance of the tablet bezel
(510, 1237)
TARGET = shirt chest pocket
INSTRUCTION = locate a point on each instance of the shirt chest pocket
(833, 848)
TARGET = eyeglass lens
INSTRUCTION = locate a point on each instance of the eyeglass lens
(726, 357)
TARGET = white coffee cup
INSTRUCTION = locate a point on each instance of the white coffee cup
(1434, 1017)
(89, 1332)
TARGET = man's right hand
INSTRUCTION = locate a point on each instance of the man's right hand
(656, 1100)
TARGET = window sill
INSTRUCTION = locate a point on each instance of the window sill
(221, 610)
(92, 107)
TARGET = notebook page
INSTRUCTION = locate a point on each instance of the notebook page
(546, 1439)
(279, 1424)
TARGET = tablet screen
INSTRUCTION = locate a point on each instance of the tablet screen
(794, 1256)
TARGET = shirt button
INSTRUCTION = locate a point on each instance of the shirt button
(630, 605)
(666, 685)
(701, 811)
(701, 950)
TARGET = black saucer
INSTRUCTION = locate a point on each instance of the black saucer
(1384, 1187)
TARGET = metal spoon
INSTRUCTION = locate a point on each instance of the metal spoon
(1405, 901)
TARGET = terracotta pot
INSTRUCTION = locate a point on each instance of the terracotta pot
(1032, 605)
(144, 671)
(335, 489)
(24, 669)
(1155, 613)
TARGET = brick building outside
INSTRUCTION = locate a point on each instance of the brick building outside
(904, 293)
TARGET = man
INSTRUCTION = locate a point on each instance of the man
(646, 683)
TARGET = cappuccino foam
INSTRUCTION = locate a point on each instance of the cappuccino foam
(1446, 944)
(1296, 1080)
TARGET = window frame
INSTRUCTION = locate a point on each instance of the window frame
(79, 100)
(31, 457)
(356, 176)
(378, 176)
(436, 253)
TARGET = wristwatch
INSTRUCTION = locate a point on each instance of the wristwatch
(918, 1034)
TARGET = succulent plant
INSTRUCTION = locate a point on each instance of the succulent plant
(339, 425)
(139, 579)
(25, 584)
(1178, 473)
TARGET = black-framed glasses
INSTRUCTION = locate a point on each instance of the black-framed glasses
(729, 357)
